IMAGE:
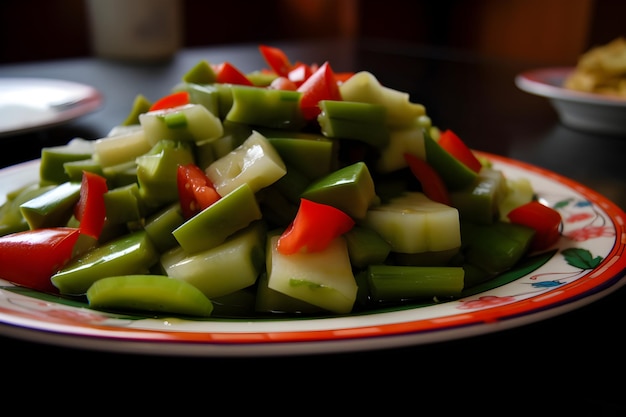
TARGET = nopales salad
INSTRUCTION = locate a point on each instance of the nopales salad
(294, 189)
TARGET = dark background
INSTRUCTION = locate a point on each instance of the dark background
(543, 31)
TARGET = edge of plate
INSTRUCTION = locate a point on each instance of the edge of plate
(90, 101)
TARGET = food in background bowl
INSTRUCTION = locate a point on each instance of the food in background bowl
(601, 70)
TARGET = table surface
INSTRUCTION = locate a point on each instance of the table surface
(474, 96)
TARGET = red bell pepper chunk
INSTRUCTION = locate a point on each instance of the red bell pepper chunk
(276, 59)
(227, 73)
(30, 258)
(545, 220)
(430, 180)
(452, 143)
(321, 85)
(179, 98)
(342, 77)
(313, 228)
(90, 210)
(195, 190)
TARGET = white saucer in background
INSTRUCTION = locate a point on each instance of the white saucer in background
(596, 113)
(28, 104)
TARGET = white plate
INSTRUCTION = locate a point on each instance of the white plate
(587, 263)
(590, 112)
(28, 104)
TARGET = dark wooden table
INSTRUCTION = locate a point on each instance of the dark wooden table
(574, 360)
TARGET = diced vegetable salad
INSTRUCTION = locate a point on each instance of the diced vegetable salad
(293, 189)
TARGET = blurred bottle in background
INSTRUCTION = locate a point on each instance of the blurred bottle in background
(135, 30)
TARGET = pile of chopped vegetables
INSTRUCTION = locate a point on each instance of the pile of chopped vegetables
(289, 190)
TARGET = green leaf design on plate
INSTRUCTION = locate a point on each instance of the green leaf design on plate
(524, 268)
(562, 203)
(581, 258)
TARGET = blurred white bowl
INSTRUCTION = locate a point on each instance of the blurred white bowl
(596, 113)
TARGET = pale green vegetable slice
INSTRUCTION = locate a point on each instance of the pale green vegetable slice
(518, 191)
(255, 162)
(224, 269)
(270, 301)
(191, 122)
(121, 148)
(152, 293)
(401, 141)
(323, 278)
(364, 87)
(413, 223)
